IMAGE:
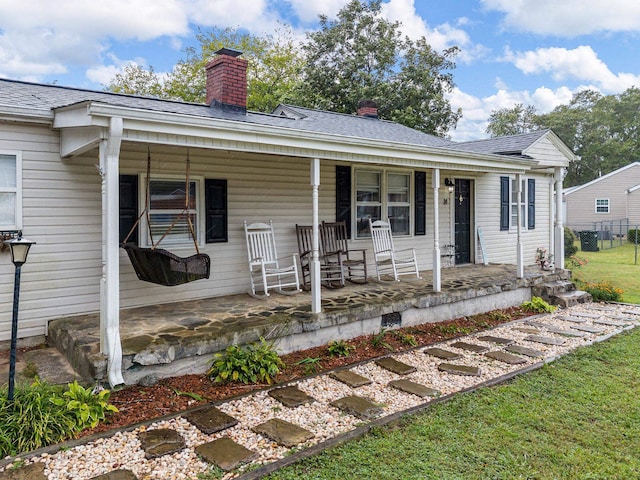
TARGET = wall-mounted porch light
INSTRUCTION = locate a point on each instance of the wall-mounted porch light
(449, 184)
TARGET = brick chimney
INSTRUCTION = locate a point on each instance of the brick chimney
(227, 81)
(367, 108)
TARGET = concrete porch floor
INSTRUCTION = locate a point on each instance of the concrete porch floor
(180, 338)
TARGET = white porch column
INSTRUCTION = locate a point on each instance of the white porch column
(314, 270)
(519, 249)
(558, 248)
(110, 283)
(437, 274)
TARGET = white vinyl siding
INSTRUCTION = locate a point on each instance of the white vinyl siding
(10, 190)
(602, 205)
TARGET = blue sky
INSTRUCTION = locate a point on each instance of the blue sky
(537, 52)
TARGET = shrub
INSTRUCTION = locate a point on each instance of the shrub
(257, 362)
(311, 365)
(378, 340)
(405, 338)
(573, 262)
(570, 238)
(87, 406)
(633, 235)
(339, 348)
(603, 291)
(537, 305)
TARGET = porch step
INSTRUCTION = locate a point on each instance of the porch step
(569, 299)
(562, 293)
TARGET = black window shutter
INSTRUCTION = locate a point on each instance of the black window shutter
(504, 203)
(128, 207)
(420, 203)
(215, 198)
(343, 196)
(531, 203)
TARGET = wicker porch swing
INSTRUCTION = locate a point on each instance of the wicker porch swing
(159, 266)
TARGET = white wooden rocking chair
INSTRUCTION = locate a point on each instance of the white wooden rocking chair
(264, 265)
(388, 261)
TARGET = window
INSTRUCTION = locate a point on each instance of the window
(10, 191)
(166, 210)
(383, 195)
(509, 203)
(602, 205)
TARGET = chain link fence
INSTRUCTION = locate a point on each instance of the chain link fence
(596, 236)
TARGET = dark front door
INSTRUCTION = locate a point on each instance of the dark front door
(462, 202)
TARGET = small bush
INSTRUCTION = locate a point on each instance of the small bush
(499, 316)
(378, 340)
(570, 238)
(603, 291)
(257, 362)
(633, 235)
(405, 338)
(311, 365)
(573, 262)
(339, 348)
(87, 406)
(537, 305)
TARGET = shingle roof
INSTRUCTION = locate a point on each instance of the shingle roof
(31, 95)
(510, 145)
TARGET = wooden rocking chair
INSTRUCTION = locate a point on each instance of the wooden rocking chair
(331, 273)
(335, 250)
(264, 265)
(389, 261)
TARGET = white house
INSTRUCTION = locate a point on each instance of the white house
(73, 168)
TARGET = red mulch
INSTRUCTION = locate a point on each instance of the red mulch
(171, 395)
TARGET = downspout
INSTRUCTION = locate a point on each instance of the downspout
(110, 282)
(437, 274)
(314, 268)
(558, 253)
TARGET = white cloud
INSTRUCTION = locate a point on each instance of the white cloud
(568, 18)
(580, 63)
(308, 10)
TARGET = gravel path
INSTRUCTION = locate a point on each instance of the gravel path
(123, 450)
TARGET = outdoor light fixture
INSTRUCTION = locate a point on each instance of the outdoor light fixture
(19, 251)
(448, 183)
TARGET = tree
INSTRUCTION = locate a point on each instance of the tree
(272, 72)
(360, 56)
(512, 121)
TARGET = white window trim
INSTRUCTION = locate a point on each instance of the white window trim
(144, 240)
(608, 206)
(384, 200)
(17, 190)
(524, 211)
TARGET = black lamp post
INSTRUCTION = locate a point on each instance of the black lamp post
(19, 251)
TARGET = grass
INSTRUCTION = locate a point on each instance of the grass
(576, 418)
(615, 265)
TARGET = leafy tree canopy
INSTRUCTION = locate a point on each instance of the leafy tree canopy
(512, 121)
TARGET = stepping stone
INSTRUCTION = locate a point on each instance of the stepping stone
(414, 388)
(533, 323)
(470, 347)
(622, 318)
(611, 323)
(459, 369)
(225, 453)
(544, 340)
(33, 471)
(498, 340)
(283, 433)
(291, 396)
(568, 318)
(631, 312)
(360, 407)
(161, 441)
(395, 366)
(210, 420)
(600, 308)
(588, 328)
(566, 333)
(350, 378)
(520, 350)
(586, 315)
(120, 474)
(442, 353)
(505, 357)
(531, 331)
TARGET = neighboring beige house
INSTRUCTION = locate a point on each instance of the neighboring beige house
(73, 167)
(606, 203)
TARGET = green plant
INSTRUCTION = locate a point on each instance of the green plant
(405, 338)
(499, 316)
(573, 262)
(195, 396)
(633, 235)
(377, 340)
(311, 365)
(452, 329)
(339, 348)
(570, 238)
(537, 305)
(258, 362)
(88, 406)
(603, 291)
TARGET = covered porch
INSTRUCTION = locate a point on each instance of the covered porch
(181, 337)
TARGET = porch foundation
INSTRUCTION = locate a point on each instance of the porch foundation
(180, 338)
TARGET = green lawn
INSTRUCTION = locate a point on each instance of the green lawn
(577, 418)
(614, 265)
